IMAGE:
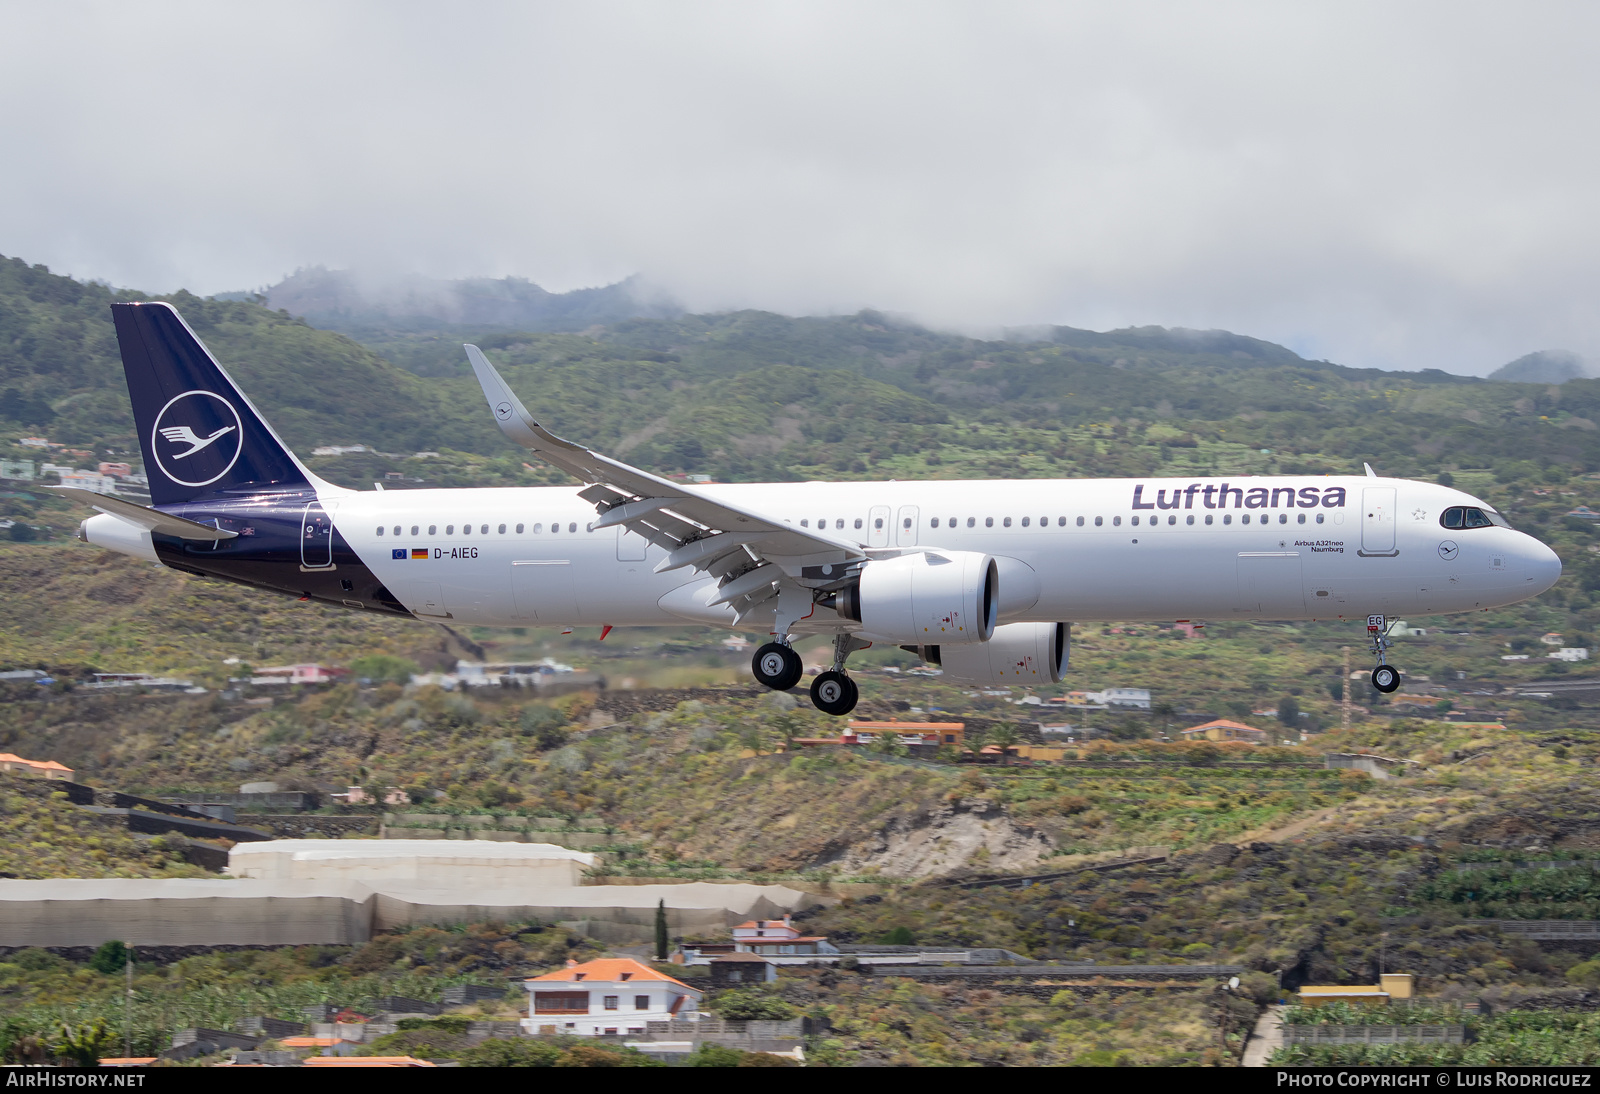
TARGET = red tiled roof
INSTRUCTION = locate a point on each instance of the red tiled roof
(1223, 723)
(607, 970)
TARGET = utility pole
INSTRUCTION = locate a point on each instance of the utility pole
(127, 1005)
(1344, 693)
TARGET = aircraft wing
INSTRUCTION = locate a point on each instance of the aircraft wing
(153, 520)
(735, 544)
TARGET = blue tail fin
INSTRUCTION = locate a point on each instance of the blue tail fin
(199, 434)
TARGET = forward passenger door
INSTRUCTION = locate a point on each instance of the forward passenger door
(1377, 521)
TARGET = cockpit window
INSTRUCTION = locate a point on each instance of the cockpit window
(1469, 516)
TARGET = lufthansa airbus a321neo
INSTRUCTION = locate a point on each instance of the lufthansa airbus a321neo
(981, 578)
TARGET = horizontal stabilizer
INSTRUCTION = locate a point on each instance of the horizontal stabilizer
(152, 520)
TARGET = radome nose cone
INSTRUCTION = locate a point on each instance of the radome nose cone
(1544, 566)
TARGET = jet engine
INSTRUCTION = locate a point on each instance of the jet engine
(1018, 653)
(945, 598)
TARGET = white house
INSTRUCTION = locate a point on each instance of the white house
(777, 937)
(1570, 653)
(610, 995)
(1136, 698)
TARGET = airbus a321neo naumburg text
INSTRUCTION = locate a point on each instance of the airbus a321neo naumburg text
(982, 578)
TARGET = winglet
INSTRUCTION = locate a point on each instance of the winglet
(509, 413)
(521, 429)
(1371, 474)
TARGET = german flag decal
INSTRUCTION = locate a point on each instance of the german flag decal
(419, 552)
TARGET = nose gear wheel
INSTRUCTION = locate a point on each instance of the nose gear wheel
(1385, 677)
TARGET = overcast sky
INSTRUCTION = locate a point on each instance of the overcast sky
(1396, 185)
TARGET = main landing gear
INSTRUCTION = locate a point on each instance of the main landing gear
(778, 667)
(1385, 677)
(833, 692)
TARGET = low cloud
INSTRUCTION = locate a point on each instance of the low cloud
(1395, 186)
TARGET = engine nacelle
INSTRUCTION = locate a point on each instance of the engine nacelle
(1019, 653)
(947, 598)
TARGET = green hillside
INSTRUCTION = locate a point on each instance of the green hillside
(751, 395)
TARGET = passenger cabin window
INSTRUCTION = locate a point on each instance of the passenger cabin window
(380, 530)
(858, 522)
(1116, 522)
(877, 523)
(397, 530)
(573, 527)
(1080, 521)
(414, 530)
(519, 529)
(1024, 522)
(484, 529)
(466, 529)
(1006, 522)
(934, 523)
(1098, 521)
(1465, 516)
(1227, 518)
(804, 523)
(1189, 519)
(433, 529)
(503, 529)
(972, 522)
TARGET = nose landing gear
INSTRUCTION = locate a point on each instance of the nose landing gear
(1385, 678)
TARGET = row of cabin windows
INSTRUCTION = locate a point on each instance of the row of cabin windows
(1227, 518)
(1061, 522)
(877, 524)
(483, 529)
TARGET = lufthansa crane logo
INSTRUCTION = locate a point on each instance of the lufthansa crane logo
(197, 438)
(502, 411)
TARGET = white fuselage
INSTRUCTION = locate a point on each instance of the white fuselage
(1291, 547)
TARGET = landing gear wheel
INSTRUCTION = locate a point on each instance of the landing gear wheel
(1386, 678)
(776, 666)
(834, 693)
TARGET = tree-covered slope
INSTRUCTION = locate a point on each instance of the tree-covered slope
(752, 396)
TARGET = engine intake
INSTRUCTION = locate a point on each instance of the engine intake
(948, 598)
(1019, 653)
